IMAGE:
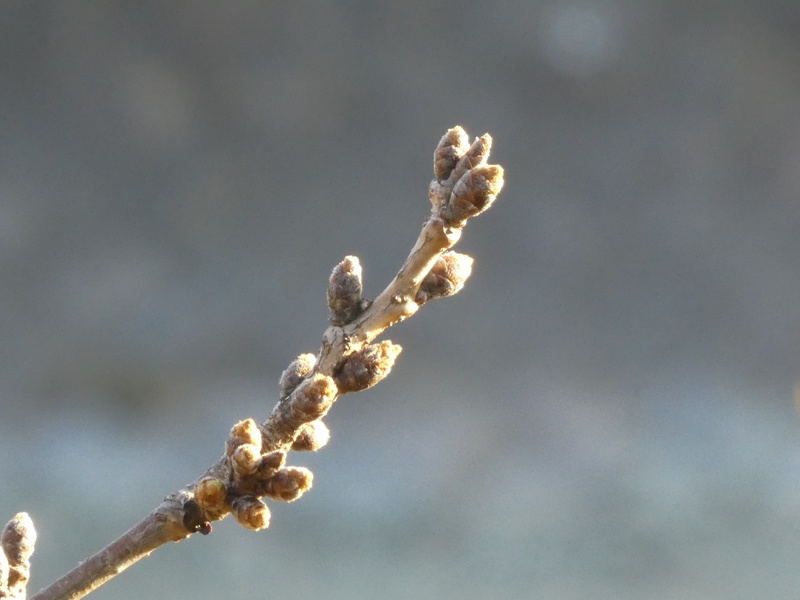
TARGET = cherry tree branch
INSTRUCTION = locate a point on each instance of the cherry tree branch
(253, 466)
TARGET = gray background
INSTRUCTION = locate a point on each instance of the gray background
(605, 411)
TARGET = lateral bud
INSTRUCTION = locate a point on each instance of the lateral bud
(289, 484)
(296, 372)
(311, 437)
(313, 397)
(453, 145)
(250, 512)
(245, 459)
(446, 278)
(245, 432)
(368, 366)
(210, 494)
(344, 291)
(475, 192)
(17, 540)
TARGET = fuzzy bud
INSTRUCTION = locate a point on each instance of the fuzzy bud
(210, 494)
(312, 398)
(250, 512)
(272, 461)
(451, 148)
(368, 366)
(475, 156)
(473, 194)
(289, 484)
(296, 372)
(311, 437)
(243, 433)
(18, 540)
(344, 291)
(446, 278)
(245, 459)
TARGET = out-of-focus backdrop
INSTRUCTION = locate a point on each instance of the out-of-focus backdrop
(605, 411)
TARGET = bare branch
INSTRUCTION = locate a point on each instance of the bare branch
(253, 465)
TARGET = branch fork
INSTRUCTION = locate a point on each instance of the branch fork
(253, 467)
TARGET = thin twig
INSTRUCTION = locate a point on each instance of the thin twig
(253, 466)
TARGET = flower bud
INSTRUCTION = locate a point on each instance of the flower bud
(344, 291)
(210, 494)
(250, 512)
(245, 459)
(312, 398)
(243, 433)
(475, 156)
(368, 366)
(18, 540)
(451, 148)
(311, 437)
(473, 194)
(289, 484)
(296, 372)
(446, 278)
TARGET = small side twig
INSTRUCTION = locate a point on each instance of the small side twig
(253, 465)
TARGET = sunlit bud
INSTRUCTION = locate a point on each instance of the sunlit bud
(210, 494)
(451, 148)
(245, 459)
(475, 156)
(250, 512)
(244, 432)
(18, 540)
(311, 437)
(296, 372)
(446, 278)
(273, 460)
(366, 367)
(312, 398)
(289, 484)
(473, 194)
(344, 291)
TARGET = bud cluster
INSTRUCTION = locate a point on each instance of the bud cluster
(465, 184)
(16, 546)
(254, 466)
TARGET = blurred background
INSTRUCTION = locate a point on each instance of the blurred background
(605, 411)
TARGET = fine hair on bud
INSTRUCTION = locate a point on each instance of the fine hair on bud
(245, 432)
(250, 512)
(368, 366)
(210, 494)
(245, 459)
(475, 156)
(453, 145)
(473, 194)
(311, 437)
(18, 540)
(289, 484)
(446, 277)
(312, 398)
(296, 372)
(344, 291)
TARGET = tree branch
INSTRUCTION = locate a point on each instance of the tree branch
(253, 465)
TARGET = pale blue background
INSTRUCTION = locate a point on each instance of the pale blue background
(605, 411)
